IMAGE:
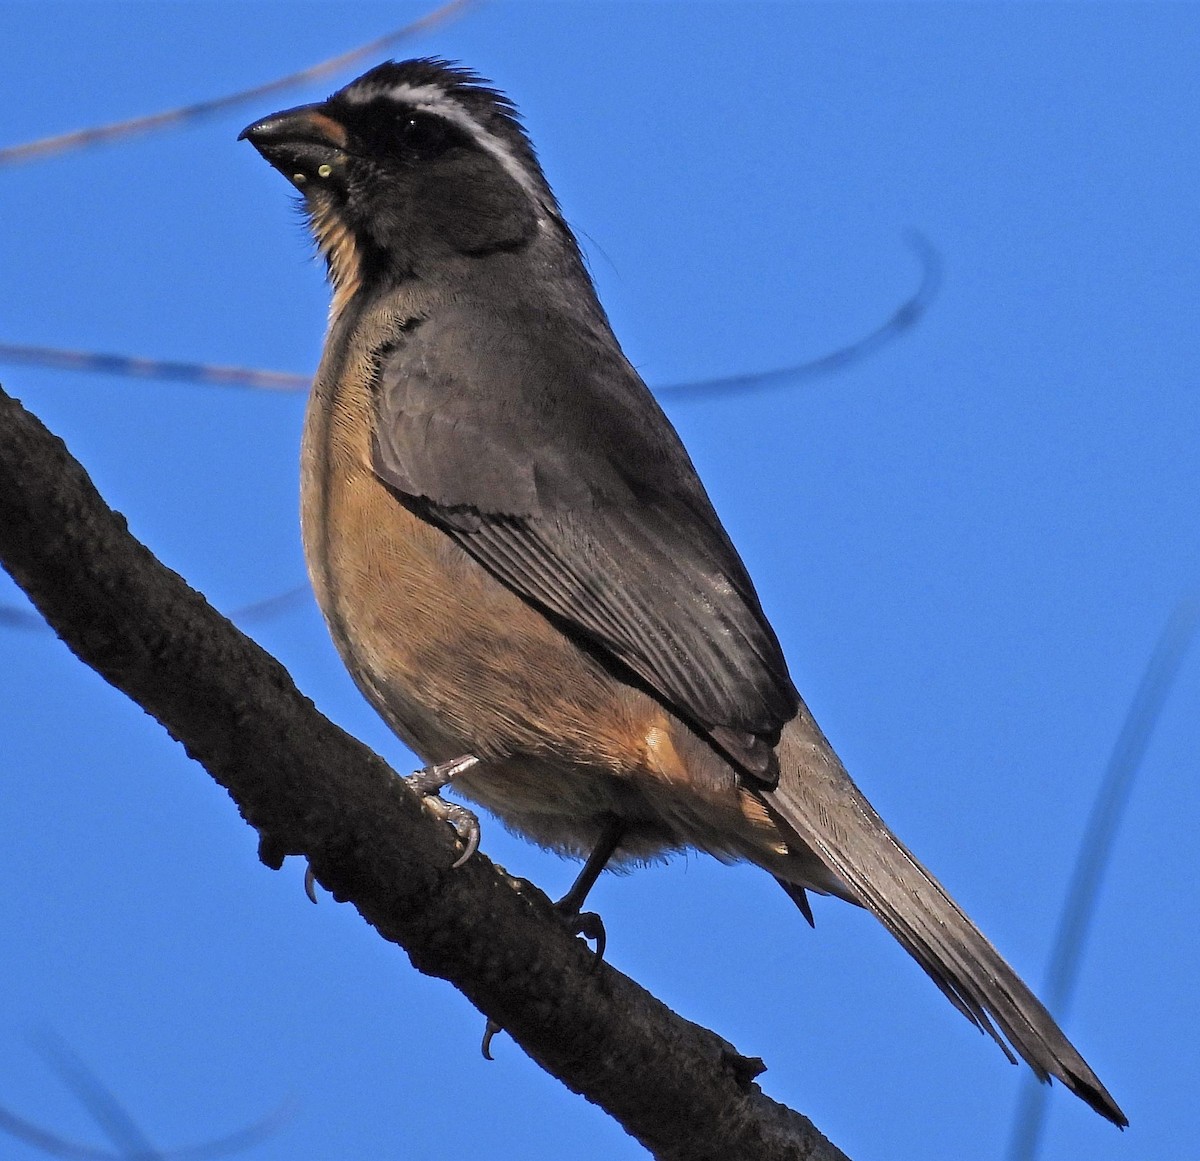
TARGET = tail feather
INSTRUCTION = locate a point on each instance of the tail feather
(817, 801)
(799, 896)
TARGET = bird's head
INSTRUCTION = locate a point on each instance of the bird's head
(411, 164)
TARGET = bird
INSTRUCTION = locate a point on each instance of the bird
(519, 565)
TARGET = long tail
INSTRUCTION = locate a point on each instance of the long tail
(817, 800)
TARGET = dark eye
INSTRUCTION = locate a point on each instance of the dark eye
(395, 132)
(421, 134)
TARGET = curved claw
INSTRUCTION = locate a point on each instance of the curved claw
(464, 823)
(428, 782)
(590, 926)
(466, 826)
(489, 1034)
(310, 884)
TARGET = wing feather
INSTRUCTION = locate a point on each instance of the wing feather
(567, 482)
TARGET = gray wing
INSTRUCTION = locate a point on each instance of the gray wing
(540, 451)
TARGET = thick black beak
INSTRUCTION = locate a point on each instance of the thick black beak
(299, 142)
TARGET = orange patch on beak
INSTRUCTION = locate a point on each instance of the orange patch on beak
(333, 131)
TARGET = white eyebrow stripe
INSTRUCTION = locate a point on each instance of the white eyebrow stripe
(431, 99)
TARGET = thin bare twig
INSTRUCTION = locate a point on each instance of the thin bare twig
(254, 613)
(904, 318)
(131, 367)
(118, 1124)
(1096, 848)
(119, 130)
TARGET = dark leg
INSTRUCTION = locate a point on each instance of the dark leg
(588, 923)
(606, 845)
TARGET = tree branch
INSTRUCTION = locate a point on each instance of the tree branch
(310, 789)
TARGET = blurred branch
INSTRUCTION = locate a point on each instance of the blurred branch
(310, 789)
(1096, 848)
(255, 613)
(132, 367)
(101, 1103)
(173, 118)
(49, 1143)
(903, 319)
(117, 1123)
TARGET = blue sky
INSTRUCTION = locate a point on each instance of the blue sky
(968, 545)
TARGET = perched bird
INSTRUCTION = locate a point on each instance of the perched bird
(517, 560)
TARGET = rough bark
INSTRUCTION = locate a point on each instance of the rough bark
(310, 789)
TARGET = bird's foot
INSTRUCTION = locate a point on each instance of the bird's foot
(570, 906)
(465, 824)
(585, 923)
(428, 782)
